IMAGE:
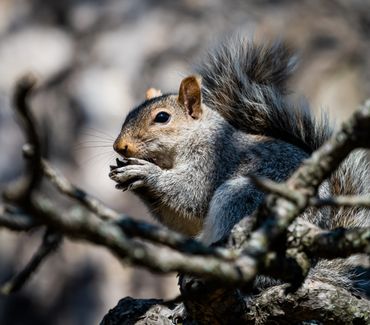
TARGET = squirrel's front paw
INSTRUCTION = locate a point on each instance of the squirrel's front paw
(134, 174)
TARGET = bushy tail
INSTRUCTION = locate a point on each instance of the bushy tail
(246, 83)
(351, 178)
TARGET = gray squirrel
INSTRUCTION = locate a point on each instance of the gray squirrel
(188, 156)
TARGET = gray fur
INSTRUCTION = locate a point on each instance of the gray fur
(247, 128)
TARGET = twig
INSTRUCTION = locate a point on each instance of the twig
(16, 220)
(21, 191)
(328, 244)
(65, 187)
(49, 243)
(357, 201)
(282, 190)
(171, 239)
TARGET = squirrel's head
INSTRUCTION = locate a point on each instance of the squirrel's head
(154, 129)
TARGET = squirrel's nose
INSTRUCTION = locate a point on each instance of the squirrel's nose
(120, 147)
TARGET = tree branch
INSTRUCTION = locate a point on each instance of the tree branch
(68, 189)
(22, 190)
(313, 301)
(49, 244)
(328, 244)
(16, 220)
(81, 225)
(359, 201)
(282, 190)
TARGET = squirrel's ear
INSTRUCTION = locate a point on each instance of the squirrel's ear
(152, 92)
(190, 96)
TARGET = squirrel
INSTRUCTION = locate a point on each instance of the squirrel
(189, 155)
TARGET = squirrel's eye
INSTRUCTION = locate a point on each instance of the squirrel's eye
(162, 117)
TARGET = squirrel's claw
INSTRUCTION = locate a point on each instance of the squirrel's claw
(119, 163)
(179, 314)
(122, 186)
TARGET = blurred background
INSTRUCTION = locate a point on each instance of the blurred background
(94, 60)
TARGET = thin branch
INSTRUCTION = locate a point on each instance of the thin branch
(282, 190)
(49, 244)
(171, 239)
(279, 189)
(65, 187)
(358, 201)
(328, 244)
(16, 220)
(22, 190)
